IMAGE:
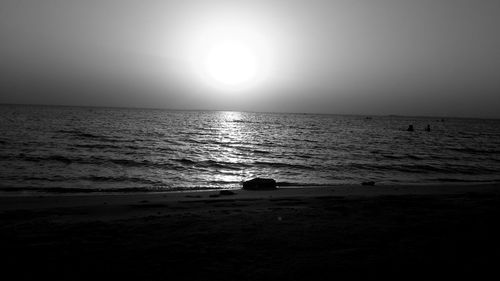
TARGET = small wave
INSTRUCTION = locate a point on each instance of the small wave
(89, 136)
(222, 165)
(185, 161)
(60, 158)
(128, 162)
(219, 182)
(466, 180)
(241, 121)
(212, 164)
(400, 167)
(286, 183)
(53, 179)
(65, 190)
(95, 161)
(92, 178)
(98, 146)
(283, 165)
(390, 156)
(400, 157)
(260, 151)
(475, 150)
(304, 140)
(57, 158)
(140, 163)
(79, 134)
(122, 179)
(422, 168)
(414, 157)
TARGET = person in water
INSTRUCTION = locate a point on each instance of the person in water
(410, 128)
(428, 128)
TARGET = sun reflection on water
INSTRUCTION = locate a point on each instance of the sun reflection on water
(233, 133)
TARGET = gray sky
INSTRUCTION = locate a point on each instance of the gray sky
(438, 57)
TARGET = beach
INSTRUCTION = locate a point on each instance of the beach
(314, 233)
(249, 140)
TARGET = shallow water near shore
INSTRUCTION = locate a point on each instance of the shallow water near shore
(69, 149)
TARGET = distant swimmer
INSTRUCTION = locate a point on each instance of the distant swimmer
(410, 128)
(428, 128)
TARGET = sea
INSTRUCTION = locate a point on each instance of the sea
(51, 149)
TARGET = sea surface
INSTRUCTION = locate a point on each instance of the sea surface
(77, 149)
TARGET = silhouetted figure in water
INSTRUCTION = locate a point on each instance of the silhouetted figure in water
(410, 128)
(428, 128)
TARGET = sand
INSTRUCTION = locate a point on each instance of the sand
(313, 233)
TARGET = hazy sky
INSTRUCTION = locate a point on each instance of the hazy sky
(435, 57)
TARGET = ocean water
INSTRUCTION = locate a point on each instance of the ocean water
(76, 149)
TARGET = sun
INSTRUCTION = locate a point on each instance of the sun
(231, 63)
(230, 55)
(234, 48)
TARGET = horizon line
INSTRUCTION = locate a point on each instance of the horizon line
(248, 111)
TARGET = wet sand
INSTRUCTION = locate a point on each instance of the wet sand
(339, 232)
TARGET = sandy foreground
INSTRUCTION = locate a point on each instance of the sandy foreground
(313, 233)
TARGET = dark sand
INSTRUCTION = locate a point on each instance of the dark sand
(335, 233)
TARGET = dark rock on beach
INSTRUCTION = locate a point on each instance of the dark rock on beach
(368, 183)
(259, 184)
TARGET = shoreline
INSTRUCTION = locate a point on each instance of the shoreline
(55, 191)
(93, 200)
(347, 232)
(40, 192)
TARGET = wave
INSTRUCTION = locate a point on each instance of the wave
(185, 161)
(66, 190)
(242, 121)
(286, 183)
(304, 140)
(220, 182)
(474, 150)
(257, 151)
(51, 179)
(78, 133)
(123, 179)
(98, 146)
(212, 164)
(190, 148)
(92, 178)
(107, 146)
(57, 158)
(423, 168)
(93, 160)
(89, 136)
(466, 180)
(401, 157)
(282, 165)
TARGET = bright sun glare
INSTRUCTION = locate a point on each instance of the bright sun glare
(231, 55)
(231, 63)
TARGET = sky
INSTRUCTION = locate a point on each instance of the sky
(426, 57)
